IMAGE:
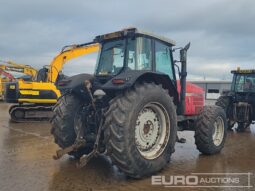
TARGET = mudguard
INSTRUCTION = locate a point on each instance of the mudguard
(130, 77)
(76, 85)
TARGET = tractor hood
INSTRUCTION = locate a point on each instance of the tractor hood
(191, 89)
(194, 99)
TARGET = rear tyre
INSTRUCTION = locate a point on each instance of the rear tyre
(140, 130)
(62, 122)
(211, 130)
(223, 102)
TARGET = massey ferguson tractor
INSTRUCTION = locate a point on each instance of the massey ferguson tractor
(132, 107)
(239, 102)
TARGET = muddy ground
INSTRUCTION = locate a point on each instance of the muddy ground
(26, 163)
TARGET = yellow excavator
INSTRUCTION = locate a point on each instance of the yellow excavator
(33, 101)
(9, 66)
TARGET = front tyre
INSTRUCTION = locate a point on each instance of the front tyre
(211, 130)
(224, 103)
(140, 130)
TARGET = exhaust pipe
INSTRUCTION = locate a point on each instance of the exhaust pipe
(183, 60)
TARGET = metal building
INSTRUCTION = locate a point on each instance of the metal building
(213, 89)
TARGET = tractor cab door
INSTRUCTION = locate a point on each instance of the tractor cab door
(150, 54)
(163, 59)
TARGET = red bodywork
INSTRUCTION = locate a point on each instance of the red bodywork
(194, 100)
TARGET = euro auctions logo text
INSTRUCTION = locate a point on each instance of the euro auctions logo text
(237, 180)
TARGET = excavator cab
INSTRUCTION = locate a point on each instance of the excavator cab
(42, 75)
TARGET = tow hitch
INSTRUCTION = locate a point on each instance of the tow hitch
(85, 158)
(74, 147)
(79, 130)
(79, 143)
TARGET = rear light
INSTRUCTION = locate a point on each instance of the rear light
(118, 81)
(63, 83)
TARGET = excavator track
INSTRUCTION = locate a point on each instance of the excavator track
(30, 113)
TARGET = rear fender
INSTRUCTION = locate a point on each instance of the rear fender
(131, 77)
(76, 85)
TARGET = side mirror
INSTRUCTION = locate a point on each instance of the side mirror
(183, 53)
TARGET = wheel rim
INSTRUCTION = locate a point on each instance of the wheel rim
(152, 130)
(218, 131)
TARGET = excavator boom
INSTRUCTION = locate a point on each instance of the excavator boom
(68, 53)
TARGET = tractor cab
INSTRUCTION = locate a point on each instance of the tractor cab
(243, 85)
(243, 81)
(132, 53)
(135, 50)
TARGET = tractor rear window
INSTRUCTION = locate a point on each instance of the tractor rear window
(138, 56)
(112, 58)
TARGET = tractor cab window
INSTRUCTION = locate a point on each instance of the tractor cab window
(163, 59)
(244, 83)
(139, 54)
(112, 58)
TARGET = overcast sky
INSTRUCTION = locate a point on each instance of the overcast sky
(221, 32)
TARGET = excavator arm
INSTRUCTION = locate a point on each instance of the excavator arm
(6, 74)
(68, 53)
(21, 68)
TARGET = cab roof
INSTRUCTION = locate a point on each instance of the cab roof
(244, 71)
(130, 32)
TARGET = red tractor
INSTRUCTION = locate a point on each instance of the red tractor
(132, 107)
